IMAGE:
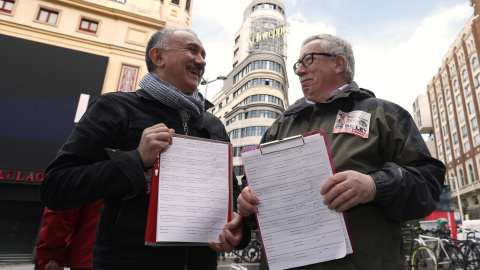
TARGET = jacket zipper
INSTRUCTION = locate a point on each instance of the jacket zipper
(185, 127)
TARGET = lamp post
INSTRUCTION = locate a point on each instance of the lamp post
(458, 196)
(206, 82)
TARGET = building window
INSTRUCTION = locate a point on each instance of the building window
(220, 105)
(457, 153)
(237, 39)
(474, 123)
(226, 100)
(461, 117)
(88, 26)
(467, 91)
(459, 100)
(450, 108)
(452, 123)
(448, 94)
(462, 180)
(474, 64)
(443, 116)
(120, 1)
(47, 16)
(449, 158)
(187, 5)
(6, 6)
(470, 107)
(477, 140)
(235, 52)
(464, 75)
(440, 150)
(440, 102)
(235, 64)
(128, 79)
(475, 199)
(464, 131)
(445, 130)
(455, 138)
(434, 108)
(455, 85)
(477, 80)
(466, 147)
(176, 2)
(447, 144)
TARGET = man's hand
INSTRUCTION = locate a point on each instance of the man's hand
(154, 140)
(232, 237)
(247, 203)
(53, 265)
(347, 189)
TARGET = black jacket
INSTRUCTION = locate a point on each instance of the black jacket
(99, 161)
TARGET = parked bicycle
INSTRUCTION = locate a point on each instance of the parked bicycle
(418, 257)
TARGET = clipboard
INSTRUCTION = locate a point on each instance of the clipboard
(167, 224)
(287, 175)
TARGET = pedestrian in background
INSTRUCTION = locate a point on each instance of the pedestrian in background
(66, 238)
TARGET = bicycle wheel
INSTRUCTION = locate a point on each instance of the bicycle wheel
(252, 253)
(423, 258)
(471, 259)
(452, 259)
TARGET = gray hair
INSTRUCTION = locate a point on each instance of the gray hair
(338, 46)
(161, 39)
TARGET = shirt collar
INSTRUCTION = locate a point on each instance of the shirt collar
(335, 92)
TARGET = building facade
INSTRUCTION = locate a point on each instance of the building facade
(255, 92)
(453, 97)
(56, 56)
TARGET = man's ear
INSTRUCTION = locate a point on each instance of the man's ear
(340, 64)
(156, 55)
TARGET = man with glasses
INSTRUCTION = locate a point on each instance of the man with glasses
(384, 172)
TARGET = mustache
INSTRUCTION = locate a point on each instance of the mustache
(195, 66)
(302, 78)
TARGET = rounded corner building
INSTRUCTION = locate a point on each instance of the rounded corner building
(255, 92)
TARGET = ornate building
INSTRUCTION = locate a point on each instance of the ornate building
(56, 56)
(453, 104)
(255, 92)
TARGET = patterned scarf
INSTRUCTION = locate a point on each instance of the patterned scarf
(186, 105)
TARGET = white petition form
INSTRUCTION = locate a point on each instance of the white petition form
(296, 227)
(193, 191)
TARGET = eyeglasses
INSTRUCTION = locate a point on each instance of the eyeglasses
(307, 60)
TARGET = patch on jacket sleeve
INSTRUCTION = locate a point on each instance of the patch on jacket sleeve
(356, 123)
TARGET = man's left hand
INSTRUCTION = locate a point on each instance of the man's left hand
(347, 189)
(232, 237)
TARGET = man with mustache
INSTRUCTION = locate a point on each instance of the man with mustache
(116, 142)
(384, 171)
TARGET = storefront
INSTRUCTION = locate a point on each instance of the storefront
(42, 91)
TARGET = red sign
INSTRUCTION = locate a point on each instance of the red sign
(17, 176)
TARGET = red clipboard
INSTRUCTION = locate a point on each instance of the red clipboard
(264, 151)
(151, 228)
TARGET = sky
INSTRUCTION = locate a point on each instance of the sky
(398, 45)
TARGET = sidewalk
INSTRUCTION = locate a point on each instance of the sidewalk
(20, 266)
(221, 266)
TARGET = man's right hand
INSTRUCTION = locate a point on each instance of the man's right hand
(247, 203)
(155, 140)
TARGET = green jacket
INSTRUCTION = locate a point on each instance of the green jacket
(408, 180)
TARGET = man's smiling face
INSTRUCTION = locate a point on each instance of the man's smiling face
(184, 62)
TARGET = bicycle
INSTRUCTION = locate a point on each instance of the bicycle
(471, 251)
(420, 256)
(449, 256)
